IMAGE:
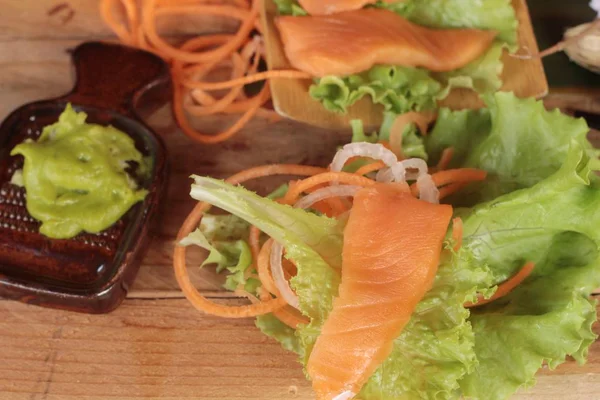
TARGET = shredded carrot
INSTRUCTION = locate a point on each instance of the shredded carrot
(317, 178)
(241, 292)
(442, 178)
(385, 144)
(263, 268)
(254, 241)
(446, 158)
(288, 315)
(326, 177)
(261, 76)
(462, 175)
(192, 221)
(272, 170)
(135, 24)
(420, 119)
(331, 207)
(367, 169)
(457, 233)
(291, 317)
(451, 189)
(191, 293)
(119, 28)
(506, 287)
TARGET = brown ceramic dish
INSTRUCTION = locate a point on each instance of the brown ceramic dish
(89, 273)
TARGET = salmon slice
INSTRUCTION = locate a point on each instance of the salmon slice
(392, 246)
(323, 7)
(354, 41)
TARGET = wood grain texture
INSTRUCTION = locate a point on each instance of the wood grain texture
(166, 350)
(291, 99)
(80, 19)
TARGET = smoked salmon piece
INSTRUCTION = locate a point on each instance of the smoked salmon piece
(392, 246)
(354, 41)
(323, 7)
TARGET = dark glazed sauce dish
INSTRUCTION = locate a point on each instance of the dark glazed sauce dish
(91, 272)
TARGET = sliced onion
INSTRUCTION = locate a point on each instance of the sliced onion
(428, 191)
(279, 278)
(396, 173)
(387, 175)
(375, 151)
(415, 163)
(384, 175)
(327, 193)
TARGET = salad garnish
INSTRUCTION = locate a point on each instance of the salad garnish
(511, 265)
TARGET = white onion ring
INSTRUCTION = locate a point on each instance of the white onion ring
(418, 164)
(384, 175)
(387, 175)
(428, 191)
(375, 151)
(277, 249)
(279, 277)
(327, 193)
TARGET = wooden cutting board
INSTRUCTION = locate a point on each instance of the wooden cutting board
(291, 99)
(156, 346)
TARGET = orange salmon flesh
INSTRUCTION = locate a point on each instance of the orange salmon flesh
(354, 41)
(391, 252)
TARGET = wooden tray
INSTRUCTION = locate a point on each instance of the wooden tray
(291, 99)
(156, 345)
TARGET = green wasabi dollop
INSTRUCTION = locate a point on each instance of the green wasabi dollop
(75, 176)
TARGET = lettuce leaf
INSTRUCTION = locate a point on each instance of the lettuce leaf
(241, 259)
(482, 75)
(549, 316)
(274, 328)
(436, 349)
(313, 242)
(439, 328)
(397, 89)
(233, 256)
(549, 217)
(498, 15)
(412, 142)
(224, 227)
(547, 211)
(197, 238)
(289, 7)
(516, 140)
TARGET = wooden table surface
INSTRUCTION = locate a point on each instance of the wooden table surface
(155, 345)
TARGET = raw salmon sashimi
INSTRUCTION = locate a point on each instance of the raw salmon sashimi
(322, 7)
(354, 41)
(392, 246)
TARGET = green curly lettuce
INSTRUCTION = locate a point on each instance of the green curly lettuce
(549, 316)
(542, 206)
(516, 141)
(397, 89)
